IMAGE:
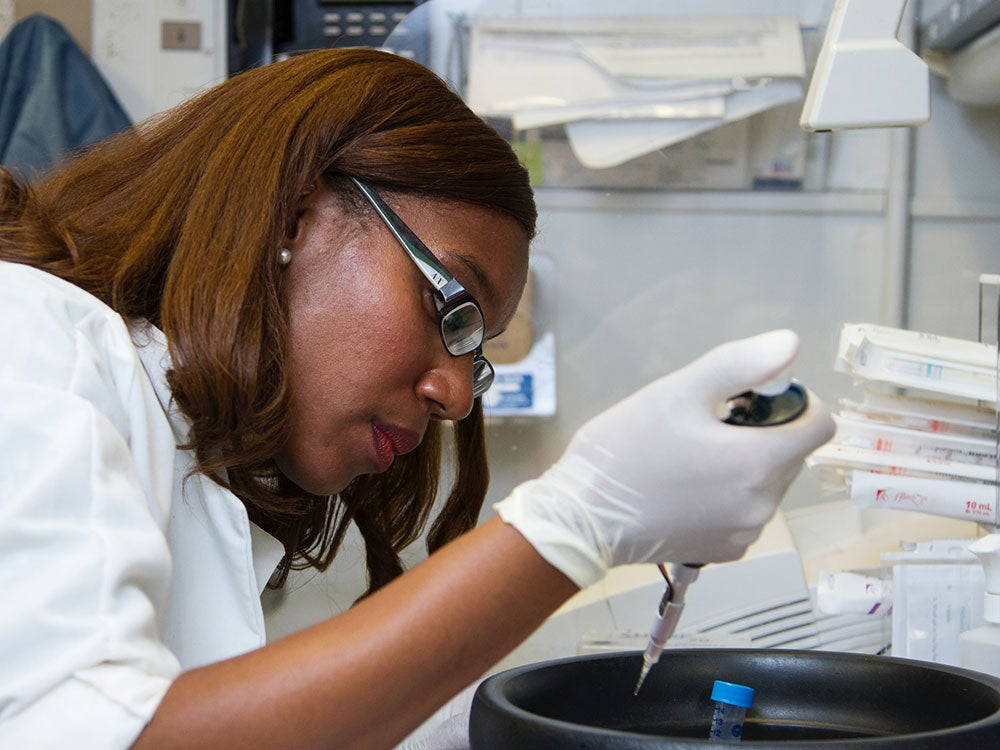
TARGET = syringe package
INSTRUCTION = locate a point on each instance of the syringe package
(923, 361)
(931, 445)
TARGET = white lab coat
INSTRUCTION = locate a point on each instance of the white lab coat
(118, 570)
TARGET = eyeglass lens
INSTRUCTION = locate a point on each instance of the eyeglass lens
(482, 375)
(462, 329)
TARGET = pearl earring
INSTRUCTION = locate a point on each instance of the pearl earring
(284, 256)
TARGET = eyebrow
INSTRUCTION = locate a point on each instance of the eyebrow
(413, 245)
(473, 267)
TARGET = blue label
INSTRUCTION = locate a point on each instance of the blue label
(513, 391)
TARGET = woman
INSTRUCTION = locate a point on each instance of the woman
(235, 331)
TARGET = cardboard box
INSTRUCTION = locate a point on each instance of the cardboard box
(515, 343)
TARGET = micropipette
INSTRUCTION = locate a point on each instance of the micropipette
(776, 402)
(669, 612)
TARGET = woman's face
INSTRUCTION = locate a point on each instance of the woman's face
(367, 366)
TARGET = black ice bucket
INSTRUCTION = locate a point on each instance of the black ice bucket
(804, 699)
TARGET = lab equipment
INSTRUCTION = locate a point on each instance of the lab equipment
(775, 402)
(667, 615)
(813, 699)
(930, 447)
(731, 704)
(763, 408)
(961, 44)
(864, 76)
(260, 30)
(979, 648)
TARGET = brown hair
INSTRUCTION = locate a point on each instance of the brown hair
(178, 222)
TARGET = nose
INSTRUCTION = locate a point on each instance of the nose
(447, 387)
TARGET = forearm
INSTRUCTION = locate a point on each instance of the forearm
(368, 677)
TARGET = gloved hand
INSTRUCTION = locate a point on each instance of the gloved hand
(660, 478)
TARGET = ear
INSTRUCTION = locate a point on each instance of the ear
(303, 214)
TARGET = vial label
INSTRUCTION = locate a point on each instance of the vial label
(727, 723)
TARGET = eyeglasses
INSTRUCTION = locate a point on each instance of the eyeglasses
(463, 327)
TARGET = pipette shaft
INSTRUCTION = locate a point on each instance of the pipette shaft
(667, 616)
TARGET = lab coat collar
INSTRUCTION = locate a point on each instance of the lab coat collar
(151, 344)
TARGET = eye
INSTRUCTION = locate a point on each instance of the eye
(430, 302)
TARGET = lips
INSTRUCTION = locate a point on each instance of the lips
(390, 441)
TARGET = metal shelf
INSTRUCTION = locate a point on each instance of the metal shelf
(713, 201)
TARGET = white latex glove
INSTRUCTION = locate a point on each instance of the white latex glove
(660, 478)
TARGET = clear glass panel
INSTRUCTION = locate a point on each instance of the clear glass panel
(740, 227)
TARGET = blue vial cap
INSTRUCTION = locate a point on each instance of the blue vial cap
(733, 694)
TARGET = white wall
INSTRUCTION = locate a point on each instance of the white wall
(6, 16)
(147, 78)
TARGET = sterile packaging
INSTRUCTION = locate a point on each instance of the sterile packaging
(882, 462)
(873, 435)
(965, 501)
(910, 359)
(925, 414)
(937, 590)
(926, 452)
(851, 592)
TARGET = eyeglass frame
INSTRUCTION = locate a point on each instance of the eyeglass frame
(449, 293)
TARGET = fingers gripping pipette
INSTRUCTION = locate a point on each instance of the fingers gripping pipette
(773, 403)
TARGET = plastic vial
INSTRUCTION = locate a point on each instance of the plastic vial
(731, 704)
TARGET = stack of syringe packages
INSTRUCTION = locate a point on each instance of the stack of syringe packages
(923, 436)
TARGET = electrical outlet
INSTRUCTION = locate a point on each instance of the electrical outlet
(180, 35)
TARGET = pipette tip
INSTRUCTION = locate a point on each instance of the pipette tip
(642, 678)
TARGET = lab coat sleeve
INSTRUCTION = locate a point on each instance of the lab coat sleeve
(83, 554)
(447, 728)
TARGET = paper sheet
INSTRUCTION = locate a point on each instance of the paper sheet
(601, 143)
(627, 86)
(522, 62)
